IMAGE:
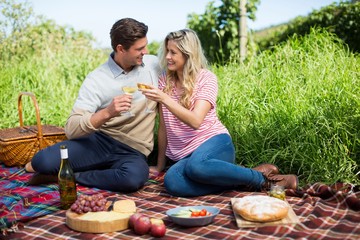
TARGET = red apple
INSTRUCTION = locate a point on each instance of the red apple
(158, 230)
(142, 225)
(156, 221)
(133, 219)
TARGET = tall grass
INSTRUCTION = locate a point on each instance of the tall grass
(298, 107)
(54, 77)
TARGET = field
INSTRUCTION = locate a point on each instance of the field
(297, 106)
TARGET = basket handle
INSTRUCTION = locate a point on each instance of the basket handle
(37, 112)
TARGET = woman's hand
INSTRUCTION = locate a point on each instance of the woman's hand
(154, 94)
(193, 118)
(153, 172)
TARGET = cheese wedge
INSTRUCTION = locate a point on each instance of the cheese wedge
(125, 206)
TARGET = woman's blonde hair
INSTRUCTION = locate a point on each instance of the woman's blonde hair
(189, 44)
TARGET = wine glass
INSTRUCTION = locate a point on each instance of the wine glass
(130, 89)
(147, 109)
(146, 79)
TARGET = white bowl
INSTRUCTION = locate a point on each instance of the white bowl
(193, 221)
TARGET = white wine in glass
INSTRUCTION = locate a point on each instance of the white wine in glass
(128, 90)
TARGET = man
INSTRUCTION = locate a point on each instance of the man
(107, 149)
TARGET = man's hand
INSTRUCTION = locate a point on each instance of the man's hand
(119, 104)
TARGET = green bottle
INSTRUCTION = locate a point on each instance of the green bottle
(67, 184)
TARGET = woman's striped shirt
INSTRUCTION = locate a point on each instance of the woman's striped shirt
(182, 139)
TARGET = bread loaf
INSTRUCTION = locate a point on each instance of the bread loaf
(261, 208)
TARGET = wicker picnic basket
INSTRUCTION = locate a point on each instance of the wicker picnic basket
(18, 145)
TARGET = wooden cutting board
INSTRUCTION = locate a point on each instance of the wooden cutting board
(103, 221)
(97, 222)
(291, 218)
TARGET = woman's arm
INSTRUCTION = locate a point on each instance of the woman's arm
(193, 118)
(162, 143)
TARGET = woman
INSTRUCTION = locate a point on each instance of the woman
(190, 133)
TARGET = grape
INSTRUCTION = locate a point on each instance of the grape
(87, 203)
(87, 209)
(74, 207)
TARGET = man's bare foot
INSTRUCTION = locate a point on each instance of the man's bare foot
(38, 178)
(29, 168)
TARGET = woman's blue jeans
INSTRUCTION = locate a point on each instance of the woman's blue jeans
(210, 169)
(98, 161)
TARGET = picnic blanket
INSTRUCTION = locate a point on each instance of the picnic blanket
(33, 212)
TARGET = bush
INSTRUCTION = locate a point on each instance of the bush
(342, 19)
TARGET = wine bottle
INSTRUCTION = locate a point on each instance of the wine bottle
(67, 184)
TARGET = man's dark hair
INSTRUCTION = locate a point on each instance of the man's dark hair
(126, 31)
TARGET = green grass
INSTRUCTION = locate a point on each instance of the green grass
(54, 79)
(297, 106)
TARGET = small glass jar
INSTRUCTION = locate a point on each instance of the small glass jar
(277, 192)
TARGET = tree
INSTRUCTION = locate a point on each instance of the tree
(14, 17)
(218, 28)
(21, 31)
(243, 30)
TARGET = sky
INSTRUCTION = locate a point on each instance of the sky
(162, 16)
